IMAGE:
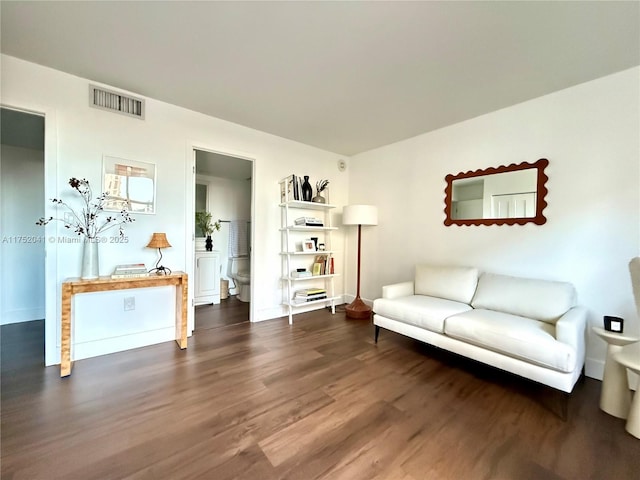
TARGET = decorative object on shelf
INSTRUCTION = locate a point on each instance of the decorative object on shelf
(320, 187)
(307, 191)
(204, 223)
(159, 241)
(88, 223)
(308, 245)
(613, 324)
(359, 215)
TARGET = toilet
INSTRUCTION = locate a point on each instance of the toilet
(239, 270)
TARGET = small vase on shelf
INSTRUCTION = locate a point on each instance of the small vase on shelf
(319, 199)
(208, 244)
(307, 193)
(320, 186)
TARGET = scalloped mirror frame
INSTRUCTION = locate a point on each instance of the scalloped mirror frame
(541, 192)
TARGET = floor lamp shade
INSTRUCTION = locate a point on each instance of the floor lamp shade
(359, 215)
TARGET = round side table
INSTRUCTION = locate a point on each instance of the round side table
(615, 397)
(629, 356)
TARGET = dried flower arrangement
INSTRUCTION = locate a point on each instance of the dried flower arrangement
(88, 222)
(321, 185)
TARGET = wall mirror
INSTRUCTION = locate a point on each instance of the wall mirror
(506, 195)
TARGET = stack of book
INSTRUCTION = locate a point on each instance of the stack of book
(310, 295)
(130, 270)
(301, 274)
(309, 222)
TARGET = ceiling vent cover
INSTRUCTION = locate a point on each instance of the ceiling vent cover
(116, 102)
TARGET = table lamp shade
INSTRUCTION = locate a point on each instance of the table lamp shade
(360, 215)
(159, 240)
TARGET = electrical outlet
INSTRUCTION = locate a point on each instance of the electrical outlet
(68, 218)
(129, 303)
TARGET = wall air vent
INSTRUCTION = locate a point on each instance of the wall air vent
(116, 102)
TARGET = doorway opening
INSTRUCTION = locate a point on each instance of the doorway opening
(222, 271)
(22, 258)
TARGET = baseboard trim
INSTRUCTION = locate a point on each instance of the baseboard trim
(22, 315)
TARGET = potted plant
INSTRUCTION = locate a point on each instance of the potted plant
(207, 227)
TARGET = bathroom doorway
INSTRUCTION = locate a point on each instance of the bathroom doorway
(223, 189)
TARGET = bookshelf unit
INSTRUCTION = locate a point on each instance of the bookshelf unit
(293, 256)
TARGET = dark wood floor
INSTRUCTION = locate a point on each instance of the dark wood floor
(229, 311)
(316, 400)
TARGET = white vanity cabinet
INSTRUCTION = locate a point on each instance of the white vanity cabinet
(207, 278)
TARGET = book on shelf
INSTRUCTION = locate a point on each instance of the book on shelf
(309, 222)
(302, 300)
(130, 270)
(130, 267)
(304, 274)
(321, 265)
(310, 291)
(296, 188)
(129, 275)
(288, 185)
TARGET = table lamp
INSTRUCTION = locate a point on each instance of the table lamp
(359, 215)
(159, 241)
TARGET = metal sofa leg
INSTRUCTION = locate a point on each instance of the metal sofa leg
(377, 333)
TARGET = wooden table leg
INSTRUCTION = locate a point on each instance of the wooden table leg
(65, 334)
(181, 313)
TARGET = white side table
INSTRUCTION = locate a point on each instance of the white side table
(629, 356)
(615, 397)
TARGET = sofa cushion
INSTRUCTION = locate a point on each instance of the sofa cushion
(538, 299)
(518, 337)
(419, 310)
(451, 283)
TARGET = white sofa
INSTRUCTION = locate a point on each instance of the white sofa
(528, 327)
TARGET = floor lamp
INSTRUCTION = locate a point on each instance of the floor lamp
(359, 215)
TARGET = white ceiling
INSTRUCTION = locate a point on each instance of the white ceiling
(343, 76)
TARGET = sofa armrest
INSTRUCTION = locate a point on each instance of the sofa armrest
(571, 330)
(397, 290)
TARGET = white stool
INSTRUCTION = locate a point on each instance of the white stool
(615, 397)
(629, 356)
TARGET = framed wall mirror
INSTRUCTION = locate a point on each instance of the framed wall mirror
(506, 195)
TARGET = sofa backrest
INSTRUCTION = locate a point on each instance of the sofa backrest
(451, 283)
(542, 300)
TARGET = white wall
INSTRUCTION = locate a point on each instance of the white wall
(166, 137)
(589, 133)
(22, 242)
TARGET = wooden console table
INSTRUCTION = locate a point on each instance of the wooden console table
(75, 285)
